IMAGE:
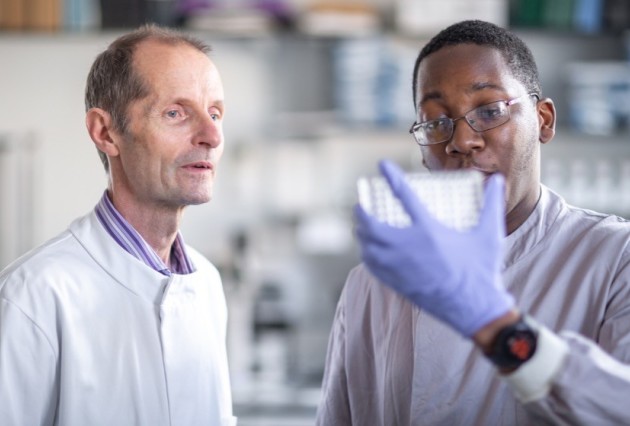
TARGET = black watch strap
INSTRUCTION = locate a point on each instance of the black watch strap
(515, 344)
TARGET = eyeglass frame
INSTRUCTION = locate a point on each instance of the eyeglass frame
(415, 125)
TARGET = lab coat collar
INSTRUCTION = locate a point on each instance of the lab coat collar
(127, 270)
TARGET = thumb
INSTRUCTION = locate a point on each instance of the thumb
(400, 188)
(493, 211)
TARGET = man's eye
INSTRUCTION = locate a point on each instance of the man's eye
(436, 125)
(490, 112)
(173, 113)
(432, 125)
(215, 114)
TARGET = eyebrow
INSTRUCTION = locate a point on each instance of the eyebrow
(476, 87)
(151, 106)
(219, 104)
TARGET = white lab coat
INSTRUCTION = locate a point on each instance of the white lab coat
(89, 335)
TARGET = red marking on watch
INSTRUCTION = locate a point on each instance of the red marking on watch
(521, 348)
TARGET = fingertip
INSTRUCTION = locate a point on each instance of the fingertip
(388, 167)
(386, 164)
(497, 179)
(392, 172)
(495, 187)
(494, 203)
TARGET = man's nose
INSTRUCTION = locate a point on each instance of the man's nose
(465, 139)
(209, 131)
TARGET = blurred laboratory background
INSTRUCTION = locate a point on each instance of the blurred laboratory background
(317, 92)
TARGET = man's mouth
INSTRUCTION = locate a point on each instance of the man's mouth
(201, 165)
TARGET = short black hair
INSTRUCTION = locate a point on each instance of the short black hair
(516, 53)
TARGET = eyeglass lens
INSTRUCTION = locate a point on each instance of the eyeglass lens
(482, 118)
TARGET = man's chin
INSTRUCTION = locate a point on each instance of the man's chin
(194, 198)
(194, 201)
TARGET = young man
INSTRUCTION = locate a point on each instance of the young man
(437, 326)
(116, 321)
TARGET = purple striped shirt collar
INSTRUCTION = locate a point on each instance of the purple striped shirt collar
(130, 240)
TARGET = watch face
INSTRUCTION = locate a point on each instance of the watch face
(514, 345)
(521, 345)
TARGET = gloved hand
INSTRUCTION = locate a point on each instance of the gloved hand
(451, 274)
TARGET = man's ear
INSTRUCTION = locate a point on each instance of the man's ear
(546, 119)
(101, 129)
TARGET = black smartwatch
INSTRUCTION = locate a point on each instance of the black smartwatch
(514, 344)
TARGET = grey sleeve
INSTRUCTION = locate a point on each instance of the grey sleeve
(578, 381)
(590, 388)
(334, 406)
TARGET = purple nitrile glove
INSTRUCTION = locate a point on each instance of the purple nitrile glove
(453, 275)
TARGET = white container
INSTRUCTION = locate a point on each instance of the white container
(427, 17)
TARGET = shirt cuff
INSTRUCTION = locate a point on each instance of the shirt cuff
(533, 379)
